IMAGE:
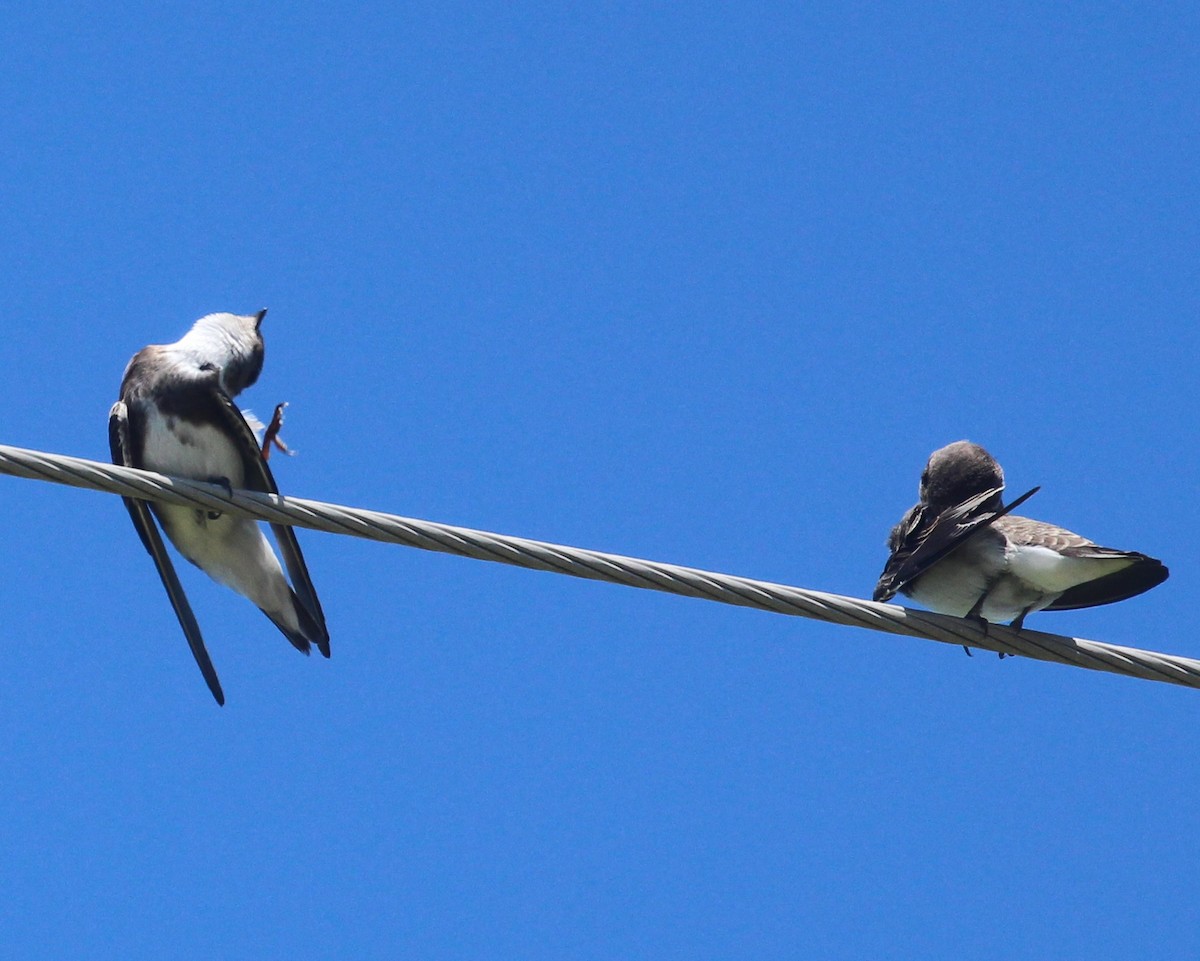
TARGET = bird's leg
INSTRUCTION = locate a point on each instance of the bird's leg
(1016, 624)
(975, 612)
(271, 434)
(975, 615)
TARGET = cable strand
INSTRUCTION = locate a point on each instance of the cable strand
(596, 565)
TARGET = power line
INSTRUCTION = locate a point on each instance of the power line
(595, 565)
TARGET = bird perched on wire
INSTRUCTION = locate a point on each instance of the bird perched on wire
(176, 415)
(960, 551)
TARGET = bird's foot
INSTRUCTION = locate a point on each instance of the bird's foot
(271, 434)
(974, 615)
(1016, 624)
(222, 482)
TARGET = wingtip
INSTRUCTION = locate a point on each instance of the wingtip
(1021, 500)
(214, 685)
(1144, 574)
(311, 626)
(308, 634)
(1153, 572)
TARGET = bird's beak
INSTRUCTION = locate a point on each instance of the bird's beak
(258, 318)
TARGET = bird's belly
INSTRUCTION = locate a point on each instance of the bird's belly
(188, 449)
(949, 587)
(232, 551)
(1010, 596)
(956, 583)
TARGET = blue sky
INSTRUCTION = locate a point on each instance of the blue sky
(700, 283)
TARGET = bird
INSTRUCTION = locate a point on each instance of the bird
(175, 415)
(959, 550)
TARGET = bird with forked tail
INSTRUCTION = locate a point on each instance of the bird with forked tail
(176, 415)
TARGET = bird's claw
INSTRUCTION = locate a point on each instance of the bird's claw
(271, 434)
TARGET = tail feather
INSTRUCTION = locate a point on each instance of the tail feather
(310, 632)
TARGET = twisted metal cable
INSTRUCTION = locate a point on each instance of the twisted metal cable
(594, 565)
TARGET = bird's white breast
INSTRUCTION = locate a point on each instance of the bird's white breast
(202, 451)
(958, 580)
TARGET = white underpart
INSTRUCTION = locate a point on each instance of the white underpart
(1017, 578)
(1050, 571)
(957, 581)
(233, 551)
(192, 450)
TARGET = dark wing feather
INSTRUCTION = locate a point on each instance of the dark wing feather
(143, 522)
(903, 540)
(919, 542)
(259, 478)
(1141, 575)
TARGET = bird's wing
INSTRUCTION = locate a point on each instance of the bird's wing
(918, 541)
(143, 522)
(259, 478)
(1141, 573)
